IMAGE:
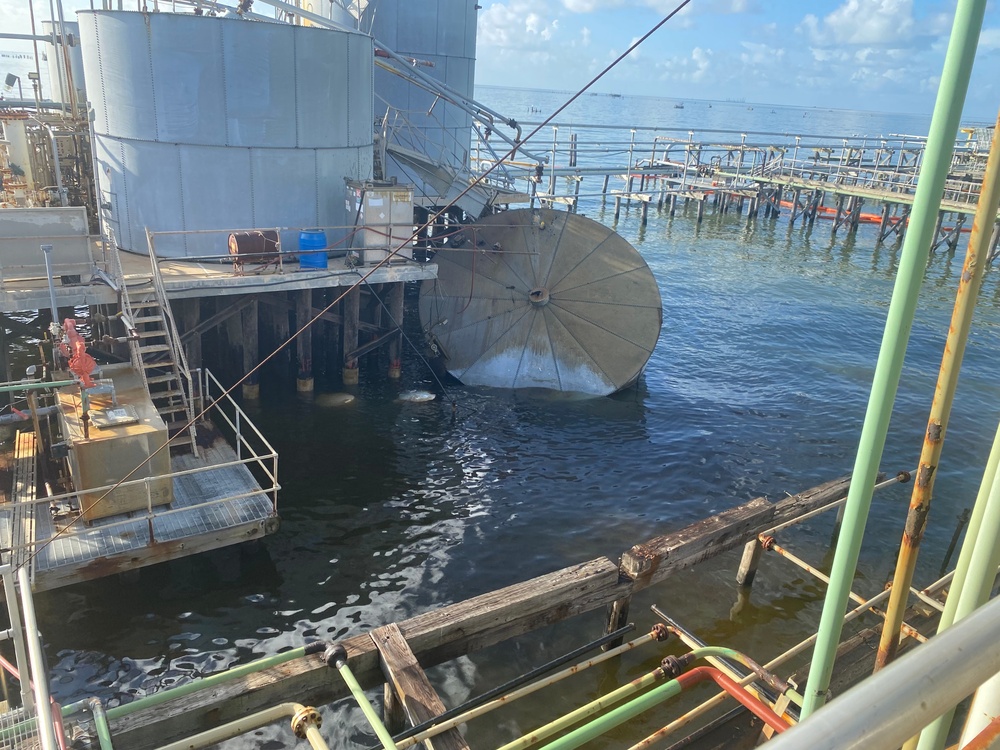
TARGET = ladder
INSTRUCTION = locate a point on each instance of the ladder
(156, 353)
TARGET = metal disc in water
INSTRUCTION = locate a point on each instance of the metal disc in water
(537, 298)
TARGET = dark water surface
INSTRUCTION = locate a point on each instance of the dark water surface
(758, 386)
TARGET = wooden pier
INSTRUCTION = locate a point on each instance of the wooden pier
(443, 634)
(806, 176)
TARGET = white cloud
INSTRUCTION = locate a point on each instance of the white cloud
(989, 39)
(760, 54)
(868, 22)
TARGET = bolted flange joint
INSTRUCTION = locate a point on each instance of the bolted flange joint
(305, 717)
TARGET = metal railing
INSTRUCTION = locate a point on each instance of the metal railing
(252, 450)
(173, 338)
(33, 723)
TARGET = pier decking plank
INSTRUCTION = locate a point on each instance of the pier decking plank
(419, 699)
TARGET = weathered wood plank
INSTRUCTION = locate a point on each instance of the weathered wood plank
(435, 637)
(420, 701)
(652, 561)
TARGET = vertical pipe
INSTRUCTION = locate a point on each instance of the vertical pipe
(20, 655)
(985, 519)
(944, 394)
(940, 144)
(41, 688)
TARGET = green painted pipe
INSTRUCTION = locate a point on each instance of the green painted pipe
(916, 248)
(156, 699)
(36, 386)
(971, 585)
(365, 705)
(616, 716)
(599, 704)
(100, 723)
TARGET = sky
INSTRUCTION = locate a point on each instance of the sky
(883, 55)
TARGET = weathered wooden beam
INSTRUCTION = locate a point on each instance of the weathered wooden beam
(419, 699)
(220, 317)
(435, 637)
(658, 558)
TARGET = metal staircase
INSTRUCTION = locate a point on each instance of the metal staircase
(156, 353)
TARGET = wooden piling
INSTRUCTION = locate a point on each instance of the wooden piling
(189, 313)
(251, 386)
(304, 382)
(645, 212)
(395, 303)
(352, 310)
(749, 563)
(701, 210)
(618, 207)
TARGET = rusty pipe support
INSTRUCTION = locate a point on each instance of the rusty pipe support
(771, 546)
(944, 394)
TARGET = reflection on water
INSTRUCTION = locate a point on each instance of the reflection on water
(758, 387)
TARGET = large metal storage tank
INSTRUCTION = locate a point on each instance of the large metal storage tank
(442, 32)
(224, 123)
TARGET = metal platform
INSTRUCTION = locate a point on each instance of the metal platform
(217, 501)
(190, 279)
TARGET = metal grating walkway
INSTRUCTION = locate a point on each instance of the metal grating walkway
(188, 516)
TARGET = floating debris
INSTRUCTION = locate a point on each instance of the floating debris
(416, 397)
(334, 399)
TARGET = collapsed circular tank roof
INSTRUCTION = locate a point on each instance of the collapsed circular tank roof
(537, 298)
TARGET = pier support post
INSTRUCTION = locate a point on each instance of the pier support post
(604, 189)
(280, 331)
(618, 207)
(189, 312)
(617, 618)
(882, 224)
(395, 303)
(392, 710)
(645, 212)
(701, 210)
(251, 386)
(673, 204)
(749, 563)
(994, 243)
(304, 382)
(352, 310)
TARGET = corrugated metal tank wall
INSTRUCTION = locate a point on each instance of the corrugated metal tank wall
(223, 123)
(442, 32)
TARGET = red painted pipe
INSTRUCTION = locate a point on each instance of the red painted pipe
(759, 709)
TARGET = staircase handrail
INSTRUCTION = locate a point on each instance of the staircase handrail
(173, 338)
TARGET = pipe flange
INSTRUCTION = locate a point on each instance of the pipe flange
(766, 542)
(672, 666)
(305, 717)
(335, 655)
(660, 632)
